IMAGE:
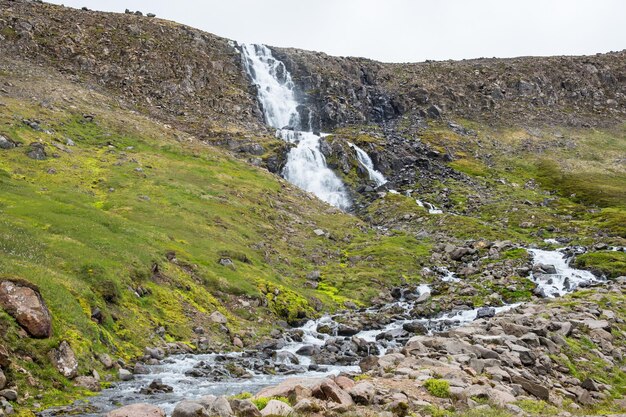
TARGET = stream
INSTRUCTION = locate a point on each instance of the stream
(194, 375)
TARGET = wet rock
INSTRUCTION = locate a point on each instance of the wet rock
(276, 408)
(125, 375)
(156, 387)
(140, 369)
(64, 359)
(308, 350)
(25, 304)
(485, 312)
(189, 408)
(36, 151)
(344, 330)
(137, 410)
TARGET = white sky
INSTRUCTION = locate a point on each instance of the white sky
(402, 30)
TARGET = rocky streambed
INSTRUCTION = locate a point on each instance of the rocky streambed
(382, 341)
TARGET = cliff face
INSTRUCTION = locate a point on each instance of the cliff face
(576, 91)
(181, 75)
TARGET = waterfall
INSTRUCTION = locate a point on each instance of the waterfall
(306, 166)
(366, 162)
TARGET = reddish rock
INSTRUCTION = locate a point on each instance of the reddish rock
(25, 304)
(330, 391)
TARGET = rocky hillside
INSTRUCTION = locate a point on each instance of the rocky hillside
(137, 218)
(573, 91)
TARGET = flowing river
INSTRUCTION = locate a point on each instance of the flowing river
(195, 375)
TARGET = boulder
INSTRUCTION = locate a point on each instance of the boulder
(88, 382)
(328, 390)
(288, 387)
(368, 363)
(36, 151)
(25, 304)
(363, 393)
(485, 312)
(9, 394)
(5, 143)
(531, 387)
(64, 359)
(187, 408)
(137, 410)
(276, 408)
(244, 408)
(106, 361)
(220, 408)
(125, 375)
(3, 380)
(217, 317)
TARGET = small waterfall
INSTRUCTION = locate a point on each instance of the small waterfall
(553, 274)
(430, 207)
(366, 162)
(306, 166)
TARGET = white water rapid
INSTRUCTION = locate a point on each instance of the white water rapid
(365, 160)
(306, 166)
(553, 274)
(192, 376)
(430, 207)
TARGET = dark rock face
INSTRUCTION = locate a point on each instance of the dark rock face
(27, 306)
(343, 91)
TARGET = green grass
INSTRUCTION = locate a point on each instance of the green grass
(610, 263)
(89, 228)
(437, 387)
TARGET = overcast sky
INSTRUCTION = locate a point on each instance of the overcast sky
(402, 30)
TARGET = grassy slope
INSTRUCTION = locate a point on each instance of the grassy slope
(88, 224)
(565, 182)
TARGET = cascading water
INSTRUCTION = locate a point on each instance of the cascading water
(365, 160)
(192, 376)
(306, 165)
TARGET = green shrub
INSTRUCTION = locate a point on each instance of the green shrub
(438, 387)
(242, 396)
(262, 401)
